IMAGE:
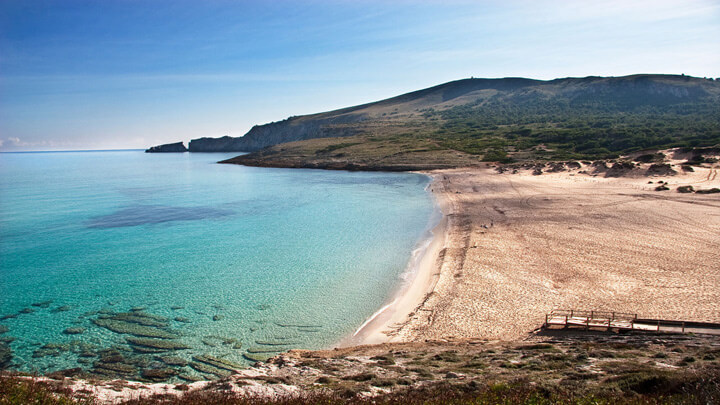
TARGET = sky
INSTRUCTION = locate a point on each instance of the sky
(111, 74)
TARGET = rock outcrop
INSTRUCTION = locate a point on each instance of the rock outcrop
(289, 130)
(168, 147)
(455, 103)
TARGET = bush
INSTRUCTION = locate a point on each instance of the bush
(685, 189)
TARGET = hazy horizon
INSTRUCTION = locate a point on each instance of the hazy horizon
(126, 75)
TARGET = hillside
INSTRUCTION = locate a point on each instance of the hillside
(471, 120)
(547, 368)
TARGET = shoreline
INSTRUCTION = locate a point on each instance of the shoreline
(511, 247)
(423, 274)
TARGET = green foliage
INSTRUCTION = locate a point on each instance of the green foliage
(336, 146)
(582, 128)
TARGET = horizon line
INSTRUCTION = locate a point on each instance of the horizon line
(71, 150)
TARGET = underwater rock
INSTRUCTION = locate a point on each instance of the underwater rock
(218, 317)
(114, 370)
(147, 350)
(63, 308)
(182, 319)
(44, 304)
(5, 355)
(160, 344)
(74, 331)
(134, 329)
(256, 357)
(141, 318)
(77, 346)
(113, 364)
(222, 339)
(217, 363)
(174, 361)
(9, 316)
(3, 329)
(51, 349)
(208, 342)
(155, 214)
(26, 311)
(275, 343)
(159, 374)
(259, 350)
(237, 346)
(69, 372)
(176, 307)
(207, 369)
(136, 309)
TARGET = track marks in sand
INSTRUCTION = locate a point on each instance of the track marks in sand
(568, 242)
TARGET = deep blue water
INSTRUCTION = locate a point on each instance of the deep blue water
(235, 253)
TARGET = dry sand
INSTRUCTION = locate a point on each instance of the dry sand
(515, 246)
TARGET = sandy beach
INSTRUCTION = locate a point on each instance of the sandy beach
(512, 247)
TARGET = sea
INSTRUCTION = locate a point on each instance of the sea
(113, 263)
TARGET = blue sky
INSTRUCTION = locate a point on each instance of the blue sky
(130, 74)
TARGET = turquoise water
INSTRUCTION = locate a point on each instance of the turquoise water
(224, 258)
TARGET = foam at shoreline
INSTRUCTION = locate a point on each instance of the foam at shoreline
(417, 281)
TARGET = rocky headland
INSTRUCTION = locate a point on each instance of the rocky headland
(167, 148)
(471, 120)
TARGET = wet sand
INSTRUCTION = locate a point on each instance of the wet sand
(515, 246)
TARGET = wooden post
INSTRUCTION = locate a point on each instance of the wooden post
(613, 315)
(566, 323)
(546, 320)
(683, 327)
(609, 320)
(572, 311)
(658, 328)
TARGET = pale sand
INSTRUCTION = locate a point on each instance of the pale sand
(423, 275)
(515, 246)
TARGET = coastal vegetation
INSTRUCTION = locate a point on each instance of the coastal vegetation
(469, 121)
(559, 368)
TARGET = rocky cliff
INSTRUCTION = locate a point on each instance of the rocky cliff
(471, 111)
(289, 130)
(168, 147)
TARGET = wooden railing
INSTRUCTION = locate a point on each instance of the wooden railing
(608, 320)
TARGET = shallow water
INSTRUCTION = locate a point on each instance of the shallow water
(224, 258)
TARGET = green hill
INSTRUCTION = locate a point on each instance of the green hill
(472, 120)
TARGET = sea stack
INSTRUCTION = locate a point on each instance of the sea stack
(168, 147)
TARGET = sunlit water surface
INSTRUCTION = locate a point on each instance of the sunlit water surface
(229, 261)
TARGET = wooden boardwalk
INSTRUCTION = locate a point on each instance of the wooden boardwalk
(621, 321)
